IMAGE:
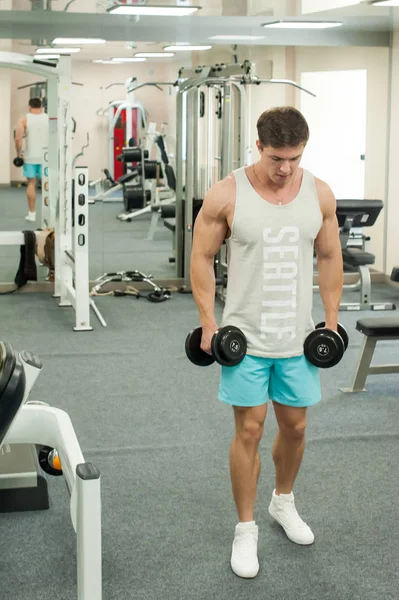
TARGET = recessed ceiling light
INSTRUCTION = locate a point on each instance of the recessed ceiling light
(154, 54)
(106, 62)
(182, 48)
(237, 37)
(58, 50)
(302, 24)
(153, 11)
(78, 41)
(129, 59)
(385, 2)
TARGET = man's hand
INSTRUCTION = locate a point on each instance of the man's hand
(207, 335)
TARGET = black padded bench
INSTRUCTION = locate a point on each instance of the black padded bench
(374, 330)
(170, 224)
(359, 213)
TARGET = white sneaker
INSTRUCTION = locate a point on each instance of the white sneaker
(282, 509)
(30, 217)
(244, 557)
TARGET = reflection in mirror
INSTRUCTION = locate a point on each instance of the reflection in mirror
(125, 115)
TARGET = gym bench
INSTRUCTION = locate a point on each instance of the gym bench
(358, 214)
(374, 330)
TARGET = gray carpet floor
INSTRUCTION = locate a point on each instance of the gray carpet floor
(113, 245)
(152, 424)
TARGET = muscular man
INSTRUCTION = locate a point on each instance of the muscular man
(272, 214)
(34, 128)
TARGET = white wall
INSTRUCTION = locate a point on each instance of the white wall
(276, 8)
(376, 61)
(392, 257)
(89, 6)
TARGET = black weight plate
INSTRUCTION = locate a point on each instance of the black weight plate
(324, 348)
(8, 361)
(193, 349)
(344, 335)
(341, 330)
(11, 400)
(229, 346)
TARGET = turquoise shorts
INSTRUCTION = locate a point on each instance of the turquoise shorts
(291, 381)
(32, 171)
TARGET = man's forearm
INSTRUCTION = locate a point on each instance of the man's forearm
(330, 271)
(18, 146)
(204, 287)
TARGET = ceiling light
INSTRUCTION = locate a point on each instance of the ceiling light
(385, 2)
(153, 11)
(237, 37)
(58, 50)
(106, 62)
(154, 54)
(303, 24)
(181, 48)
(130, 59)
(78, 41)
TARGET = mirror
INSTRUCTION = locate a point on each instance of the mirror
(144, 242)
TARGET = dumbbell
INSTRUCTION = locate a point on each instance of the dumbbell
(229, 346)
(18, 161)
(325, 347)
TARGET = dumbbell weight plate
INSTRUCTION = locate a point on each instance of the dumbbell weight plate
(18, 162)
(229, 346)
(341, 330)
(193, 349)
(324, 348)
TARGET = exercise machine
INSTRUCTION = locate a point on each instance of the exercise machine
(25, 426)
(126, 121)
(150, 178)
(352, 215)
(101, 194)
(213, 138)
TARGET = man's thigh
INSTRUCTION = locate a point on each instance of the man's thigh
(295, 382)
(246, 384)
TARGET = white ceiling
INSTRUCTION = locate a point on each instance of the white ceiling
(110, 50)
(363, 25)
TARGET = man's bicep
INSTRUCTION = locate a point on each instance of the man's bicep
(209, 233)
(327, 241)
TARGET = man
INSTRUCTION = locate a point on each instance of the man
(34, 128)
(272, 214)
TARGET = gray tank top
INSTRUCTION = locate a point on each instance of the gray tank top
(36, 138)
(269, 292)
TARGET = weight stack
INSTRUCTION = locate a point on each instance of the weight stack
(134, 197)
(134, 155)
(150, 169)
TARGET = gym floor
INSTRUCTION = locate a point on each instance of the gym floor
(151, 422)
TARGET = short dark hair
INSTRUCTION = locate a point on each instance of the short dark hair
(35, 103)
(282, 127)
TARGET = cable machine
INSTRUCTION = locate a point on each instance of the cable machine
(203, 93)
